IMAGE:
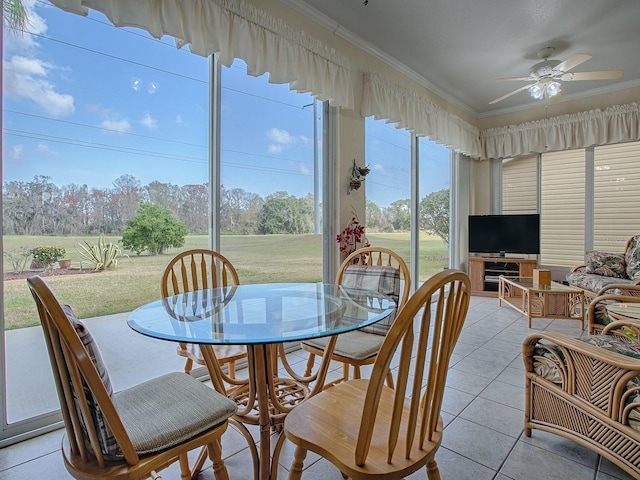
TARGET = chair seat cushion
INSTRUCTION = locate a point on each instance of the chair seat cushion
(168, 410)
(356, 345)
(378, 278)
(593, 282)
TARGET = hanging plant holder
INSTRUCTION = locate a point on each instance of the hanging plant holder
(358, 175)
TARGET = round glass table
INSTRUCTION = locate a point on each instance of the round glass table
(263, 317)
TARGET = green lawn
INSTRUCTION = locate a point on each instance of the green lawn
(257, 258)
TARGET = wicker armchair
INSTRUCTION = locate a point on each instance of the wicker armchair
(586, 391)
(598, 316)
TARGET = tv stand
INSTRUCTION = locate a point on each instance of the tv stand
(484, 272)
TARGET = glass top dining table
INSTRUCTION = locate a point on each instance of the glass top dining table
(260, 313)
(262, 317)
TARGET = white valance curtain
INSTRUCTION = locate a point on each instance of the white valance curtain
(236, 29)
(406, 109)
(620, 123)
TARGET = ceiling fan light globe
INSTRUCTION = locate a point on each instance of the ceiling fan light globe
(553, 88)
(536, 91)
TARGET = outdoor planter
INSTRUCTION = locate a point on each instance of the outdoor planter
(65, 263)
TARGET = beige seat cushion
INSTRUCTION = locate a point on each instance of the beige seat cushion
(356, 345)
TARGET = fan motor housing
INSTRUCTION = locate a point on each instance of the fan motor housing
(545, 69)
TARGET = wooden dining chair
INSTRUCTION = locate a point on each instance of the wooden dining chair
(373, 268)
(200, 269)
(369, 430)
(133, 433)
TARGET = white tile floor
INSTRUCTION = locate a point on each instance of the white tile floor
(483, 413)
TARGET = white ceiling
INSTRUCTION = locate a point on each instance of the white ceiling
(458, 47)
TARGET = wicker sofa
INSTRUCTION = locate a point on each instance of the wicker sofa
(603, 269)
(587, 390)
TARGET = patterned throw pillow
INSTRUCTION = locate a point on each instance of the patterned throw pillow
(379, 278)
(632, 258)
(107, 441)
(606, 264)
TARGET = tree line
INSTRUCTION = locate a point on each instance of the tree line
(40, 207)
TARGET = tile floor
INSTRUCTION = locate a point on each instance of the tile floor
(483, 414)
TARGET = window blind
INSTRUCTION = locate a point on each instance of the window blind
(562, 220)
(616, 195)
(520, 185)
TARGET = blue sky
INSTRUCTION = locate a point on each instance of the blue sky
(85, 103)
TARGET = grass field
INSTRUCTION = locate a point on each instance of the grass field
(257, 258)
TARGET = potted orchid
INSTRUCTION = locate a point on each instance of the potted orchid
(352, 237)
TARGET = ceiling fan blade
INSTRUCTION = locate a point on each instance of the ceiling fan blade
(508, 79)
(572, 62)
(600, 75)
(510, 93)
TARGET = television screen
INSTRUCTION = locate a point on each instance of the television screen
(500, 234)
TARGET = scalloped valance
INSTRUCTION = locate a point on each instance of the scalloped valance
(406, 109)
(236, 29)
(616, 124)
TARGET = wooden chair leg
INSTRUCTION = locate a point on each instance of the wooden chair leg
(185, 472)
(310, 363)
(188, 366)
(232, 369)
(219, 468)
(345, 372)
(433, 473)
(356, 371)
(298, 462)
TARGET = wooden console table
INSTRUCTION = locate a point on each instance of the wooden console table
(484, 272)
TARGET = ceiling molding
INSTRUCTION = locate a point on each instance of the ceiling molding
(334, 27)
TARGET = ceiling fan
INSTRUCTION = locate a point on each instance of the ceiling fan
(546, 76)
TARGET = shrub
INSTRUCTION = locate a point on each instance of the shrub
(18, 259)
(153, 229)
(102, 255)
(47, 255)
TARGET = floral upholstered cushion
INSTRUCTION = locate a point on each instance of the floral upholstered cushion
(378, 278)
(607, 264)
(107, 441)
(632, 258)
(592, 281)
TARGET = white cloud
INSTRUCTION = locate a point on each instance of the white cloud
(280, 136)
(27, 78)
(45, 149)
(17, 152)
(116, 125)
(149, 122)
(282, 139)
(180, 121)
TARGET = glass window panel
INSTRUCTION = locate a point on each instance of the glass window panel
(388, 186)
(434, 187)
(96, 120)
(270, 197)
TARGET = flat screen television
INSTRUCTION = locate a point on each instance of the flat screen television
(502, 234)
